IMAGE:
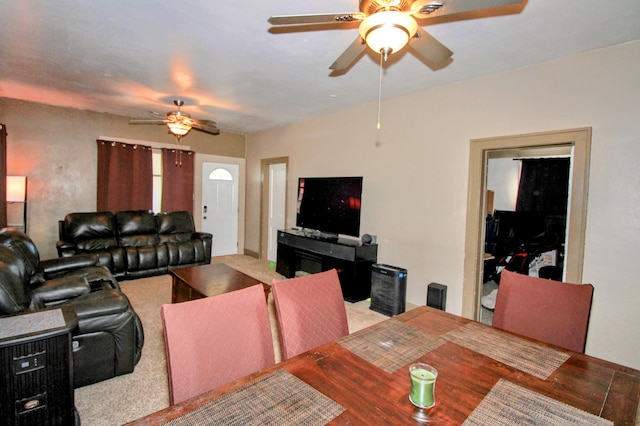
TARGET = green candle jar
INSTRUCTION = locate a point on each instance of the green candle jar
(423, 384)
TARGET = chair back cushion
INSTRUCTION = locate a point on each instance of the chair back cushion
(13, 294)
(177, 230)
(175, 227)
(136, 228)
(26, 251)
(215, 340)
(310, 312)
(542, 309)
(90, 231)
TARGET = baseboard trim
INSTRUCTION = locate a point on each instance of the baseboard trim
(252, 253)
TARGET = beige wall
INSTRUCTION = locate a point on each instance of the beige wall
(415, 181)
(56, 149)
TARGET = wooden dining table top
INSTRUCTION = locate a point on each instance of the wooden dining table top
(485, 375)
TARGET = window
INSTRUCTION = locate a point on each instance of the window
(157, 180)
(220, 174)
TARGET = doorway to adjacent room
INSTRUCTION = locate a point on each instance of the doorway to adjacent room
(273, 203)
(578, 143)
(526, 216)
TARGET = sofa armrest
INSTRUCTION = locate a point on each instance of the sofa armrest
(58, 290)
(201, 236)
(66, 248)
(59, 265)
(207, 242)
(98, 304)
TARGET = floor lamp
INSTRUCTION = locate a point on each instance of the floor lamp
(17, 195)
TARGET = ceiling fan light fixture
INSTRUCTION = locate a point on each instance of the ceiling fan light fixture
(178, 128)
(388, 31)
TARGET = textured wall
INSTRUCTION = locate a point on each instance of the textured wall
(56, 149)
(416, 178)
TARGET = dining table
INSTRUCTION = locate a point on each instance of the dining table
(485, 376)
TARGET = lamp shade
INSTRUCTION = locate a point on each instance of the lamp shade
(178, 128)
(388, 31)
(16, 189)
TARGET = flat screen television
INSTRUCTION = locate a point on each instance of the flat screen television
(329, 205)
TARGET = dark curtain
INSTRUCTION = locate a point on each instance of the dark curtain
(125, 177)
(3, 176)
(177, 180)
(544, 186)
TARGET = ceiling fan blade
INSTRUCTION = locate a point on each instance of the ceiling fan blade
(149, 121)
(428, 47)
(206, 126)
(328, 18)
(429, 9)
(347, 57)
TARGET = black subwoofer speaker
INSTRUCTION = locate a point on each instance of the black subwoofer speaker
(437, 296)
(388, 289)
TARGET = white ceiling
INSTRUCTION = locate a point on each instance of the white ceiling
(130, 57)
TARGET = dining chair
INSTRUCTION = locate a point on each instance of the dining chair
(550, 311)
(214, 340)
(310, 312)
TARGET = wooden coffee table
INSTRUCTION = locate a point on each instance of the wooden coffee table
(197, 282)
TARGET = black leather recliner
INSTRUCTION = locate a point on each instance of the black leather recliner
(137, 243)
(109, 338)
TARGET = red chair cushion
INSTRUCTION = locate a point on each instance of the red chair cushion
(542, 309)
(310, 312)
(212, 341)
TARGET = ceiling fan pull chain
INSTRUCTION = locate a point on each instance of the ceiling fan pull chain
(380, 92)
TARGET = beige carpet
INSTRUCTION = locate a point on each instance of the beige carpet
(129, 397)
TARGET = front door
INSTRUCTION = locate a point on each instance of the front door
(220, 206)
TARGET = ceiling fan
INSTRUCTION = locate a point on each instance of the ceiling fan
(388, 25)
(180, 123)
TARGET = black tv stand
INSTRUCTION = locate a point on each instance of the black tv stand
(317, 235)
(301, 252)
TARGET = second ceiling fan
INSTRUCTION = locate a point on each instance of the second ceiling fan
(388, 25)
(180, 123)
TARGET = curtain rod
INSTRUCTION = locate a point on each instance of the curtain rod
(157, 145)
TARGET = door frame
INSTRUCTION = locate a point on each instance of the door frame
(580, 141)
(264, 201)
(197, 200)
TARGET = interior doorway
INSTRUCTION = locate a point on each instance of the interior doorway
(578, 142)
(526, 216)
(273, 211)
(277, 202)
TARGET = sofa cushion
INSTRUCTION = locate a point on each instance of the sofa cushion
(13, 296)
(23, 249)
(186, 253)
(175, 227)
(146, 258)
(91, 231)
(136, 228)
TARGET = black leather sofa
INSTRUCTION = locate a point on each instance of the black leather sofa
(109, 338)
(135, 244)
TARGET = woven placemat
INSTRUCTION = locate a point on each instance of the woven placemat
(525, 355)
(391, 345)
(277, 399)
(508, 404)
